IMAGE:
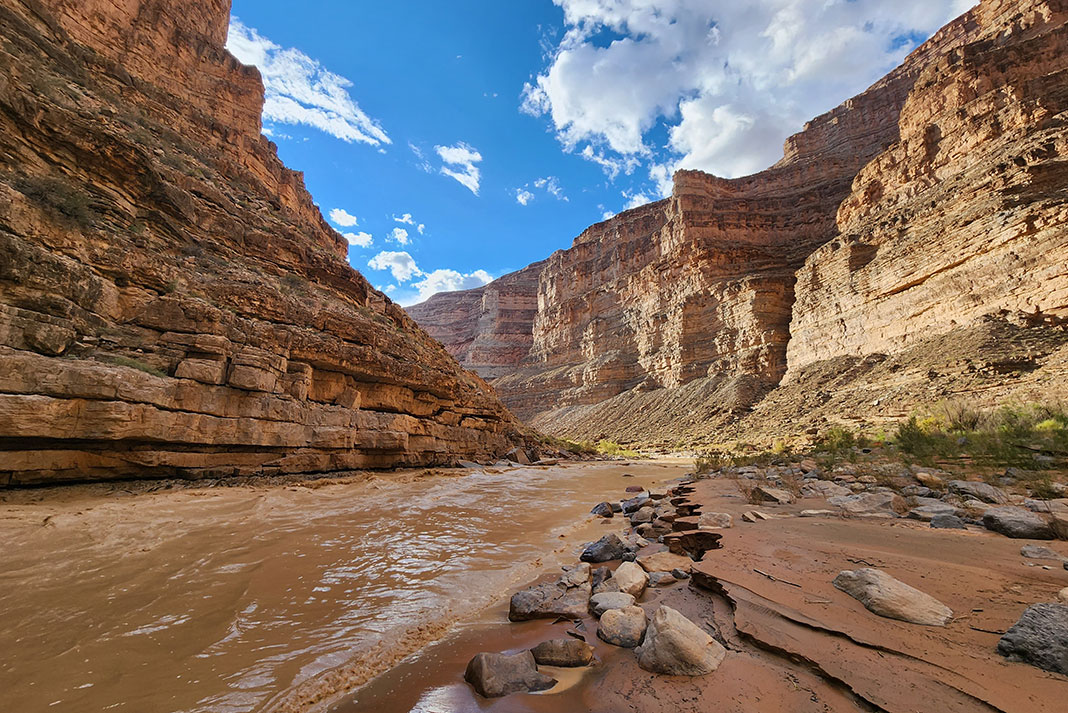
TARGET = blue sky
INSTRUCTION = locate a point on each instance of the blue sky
(453, 142)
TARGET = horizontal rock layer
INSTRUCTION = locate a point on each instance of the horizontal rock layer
(171, 300)
(931, 202)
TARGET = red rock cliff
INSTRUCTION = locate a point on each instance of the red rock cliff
(171, 301)
(928, 201)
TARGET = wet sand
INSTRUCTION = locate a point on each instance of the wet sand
(796, 644)
(254, 597)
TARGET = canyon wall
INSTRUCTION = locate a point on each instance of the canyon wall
(932, 200)
(172, 303)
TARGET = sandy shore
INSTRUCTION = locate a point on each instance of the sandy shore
(795, 643)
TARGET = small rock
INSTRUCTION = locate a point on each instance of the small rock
(631, 579)
(917, 491)
(754, 516)
(675, 646)
(926, 513)
(1039, 638)
(768, 494)
(1017, 523)
(1063, 594)
(634, 504)
(567, 653)
(606, 601)
(930, 480)
(495, 675)
(1038, 552)
(947, 522)
(883, 595)
(665, 562)
(635, 489)
(869, 503)
(606, 549)
(603, 509)
(979, 491)
(568, 596)
(819, 513)
(823, 489)
(645, 514)
(715, 521)
(680, 574)
(808, 465)
(622, 627)
(662, 579)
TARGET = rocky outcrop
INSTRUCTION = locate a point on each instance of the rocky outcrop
(172, 303)
(931, 203)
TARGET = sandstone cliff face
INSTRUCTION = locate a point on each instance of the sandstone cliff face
(171, 300)
(929, 201)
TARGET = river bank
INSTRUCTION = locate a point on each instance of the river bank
(794, 641)
(233, 598)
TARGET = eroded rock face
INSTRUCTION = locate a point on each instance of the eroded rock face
(172, 303)
(925, 206)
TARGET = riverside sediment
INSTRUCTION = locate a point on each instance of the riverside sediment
(795, 642)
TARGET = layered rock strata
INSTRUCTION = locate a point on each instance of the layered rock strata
(172, 303)
(925, 205)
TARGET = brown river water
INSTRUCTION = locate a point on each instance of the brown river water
(236, 599)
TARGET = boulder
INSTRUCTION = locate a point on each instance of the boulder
(1017, 523)
(598, 577)
(947, 522)
(665, 562)
(883, 595)
(568, 596)
(622, 627)
(662, 579)
(925, 513)
(608, 548)
(675, 646)
(768, 494)
(1058, 523)
(631, 579)
(644, 514)
(606, 601)
(969, 489)
(1038, 552)
(567, 653)
(603, 510)
(495, 675)
(634, 504)
(930, 480)
(715, 521)
(823, 489)
(869, 503)
(1039, 638)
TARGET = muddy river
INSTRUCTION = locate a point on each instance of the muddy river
(234, 599)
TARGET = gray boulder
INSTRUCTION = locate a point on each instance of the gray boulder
(948, 522)
(675, 646)
(869, 503)
(568, 596)
(969, 489)
(1038, 552)
(715, 521)
(768, 494)
(607, 601)
(823, 489)
(1039, 638)
(883, 595)
(1017, 523)
(603, 510)
(643, 514)
(622, 627)
(926, 513)
(495, 675)
(567, 653)
(608, 548)
(661, 579)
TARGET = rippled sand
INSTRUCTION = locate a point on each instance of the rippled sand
(245, 598)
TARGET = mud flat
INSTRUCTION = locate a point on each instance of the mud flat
(795, 643)
(161, 597)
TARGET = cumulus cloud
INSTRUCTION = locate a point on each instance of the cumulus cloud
(635, 200)
(448, 281)
(406, 219)
(551, 185)
(523, 197)
(340, 216)
(460, 163)
(398, 235)
(400, 264)
(358, 240)
(729, 81)
(299, 90)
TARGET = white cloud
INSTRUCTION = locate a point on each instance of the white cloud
(523, 197)
(398, 235)
(635, 200)
(424, 165)
(421, 228)
(448, 281)
(400, 264)
(460, 163)
(389, 288)
(299, 90)
(358, 240)
(340, 216)
(730, 81)
(406, 219)
(551, 185)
